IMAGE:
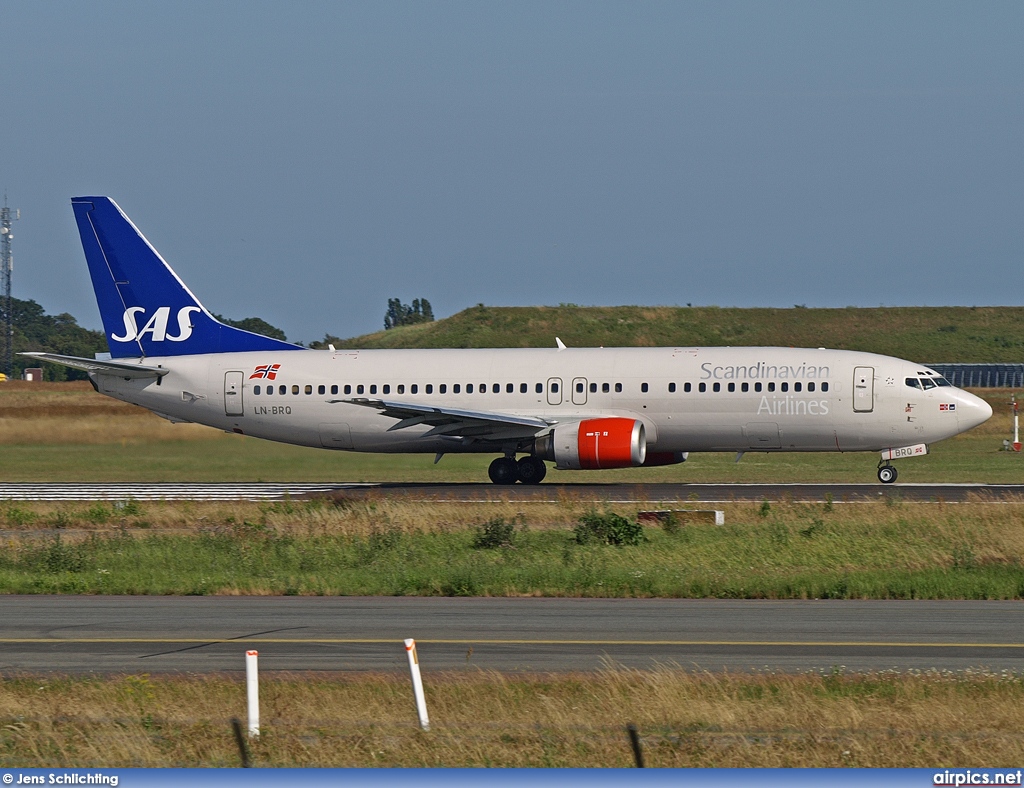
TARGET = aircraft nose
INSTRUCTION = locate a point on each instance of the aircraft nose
(972, 411)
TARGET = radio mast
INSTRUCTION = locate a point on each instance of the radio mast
(7, 264)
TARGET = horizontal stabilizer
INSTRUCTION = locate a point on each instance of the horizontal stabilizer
(121, 369)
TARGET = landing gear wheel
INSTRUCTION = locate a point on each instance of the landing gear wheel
(531, 470)
(504, 471)
(887, 474)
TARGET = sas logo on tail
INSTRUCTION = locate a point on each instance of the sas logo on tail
(156, 325)
(265, 372)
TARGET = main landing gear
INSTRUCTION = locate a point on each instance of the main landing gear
(887, 474)
(529, 470)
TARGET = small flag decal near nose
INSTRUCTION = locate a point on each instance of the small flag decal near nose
(265, 372)
(947, 406)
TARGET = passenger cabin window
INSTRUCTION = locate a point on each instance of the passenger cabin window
(469, 388)
(540, 388)
(785, 387)
(359, 389)
(510, 388)
(671, 388)
(687, 387)
(810, 386)
(443, 388)
(579, 388)
(334, 389)
(732, 387)
(745, 386)
(644, 387)
(618, 388)
(593, 388)
(523, 388)
(757, 386)
(255, 389)
(385, 389)
(308, 389)
(321, 389)
(717, 387)
(456, 388)
(702, 387)
(554, 388)
(771, 386)
(400, 389)
(797, 386)
(605, 388)
(824, 386)
(373, 388)
(496, 388)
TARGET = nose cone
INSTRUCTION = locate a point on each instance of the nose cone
(971, 411)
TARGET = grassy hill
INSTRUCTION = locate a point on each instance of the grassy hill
(926, 334)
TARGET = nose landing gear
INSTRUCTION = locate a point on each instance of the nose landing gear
(887, 473)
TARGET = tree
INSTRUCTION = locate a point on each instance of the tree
(36, 330)
(400, 314)
(255, 324)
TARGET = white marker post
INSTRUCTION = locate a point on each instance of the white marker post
(417, 683)
(1016, 427)
(252, 692)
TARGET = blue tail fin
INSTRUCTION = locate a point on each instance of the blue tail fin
(146, 308)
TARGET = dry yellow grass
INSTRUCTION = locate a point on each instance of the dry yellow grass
(59, 413)
(488, 719)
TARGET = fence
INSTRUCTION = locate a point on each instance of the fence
(997, 376)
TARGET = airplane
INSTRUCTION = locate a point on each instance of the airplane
(579, 408)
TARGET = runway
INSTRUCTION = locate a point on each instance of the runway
(483, 492)
(71, 634)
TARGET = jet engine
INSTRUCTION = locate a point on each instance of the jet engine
(595, 443)
(665, 458)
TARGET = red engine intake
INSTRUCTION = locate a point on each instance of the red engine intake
(594, 444)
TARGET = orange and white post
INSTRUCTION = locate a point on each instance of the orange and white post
(252, 692)
(417, 683)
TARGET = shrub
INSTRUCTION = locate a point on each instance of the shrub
(497, 532)
(608, 528)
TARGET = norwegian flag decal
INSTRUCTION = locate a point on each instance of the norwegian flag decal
(947, 406)
(265, 372)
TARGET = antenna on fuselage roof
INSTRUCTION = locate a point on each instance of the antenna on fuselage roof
(560, 343)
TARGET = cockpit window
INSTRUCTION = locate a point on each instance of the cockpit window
(913, 383)
(927, 383)
(941, 382)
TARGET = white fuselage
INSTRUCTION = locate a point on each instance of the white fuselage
(753, 398)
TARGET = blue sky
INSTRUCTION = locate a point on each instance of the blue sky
(303, 162)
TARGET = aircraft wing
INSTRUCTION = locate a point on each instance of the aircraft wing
(121, 369)
(472, 424)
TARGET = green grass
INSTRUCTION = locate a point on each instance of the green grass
(877, 550)
(968, 458)
(923, 334)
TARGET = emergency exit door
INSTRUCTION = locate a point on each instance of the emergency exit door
(863, 389)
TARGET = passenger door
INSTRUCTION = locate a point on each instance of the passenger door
(863, 389)
(233, 393)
